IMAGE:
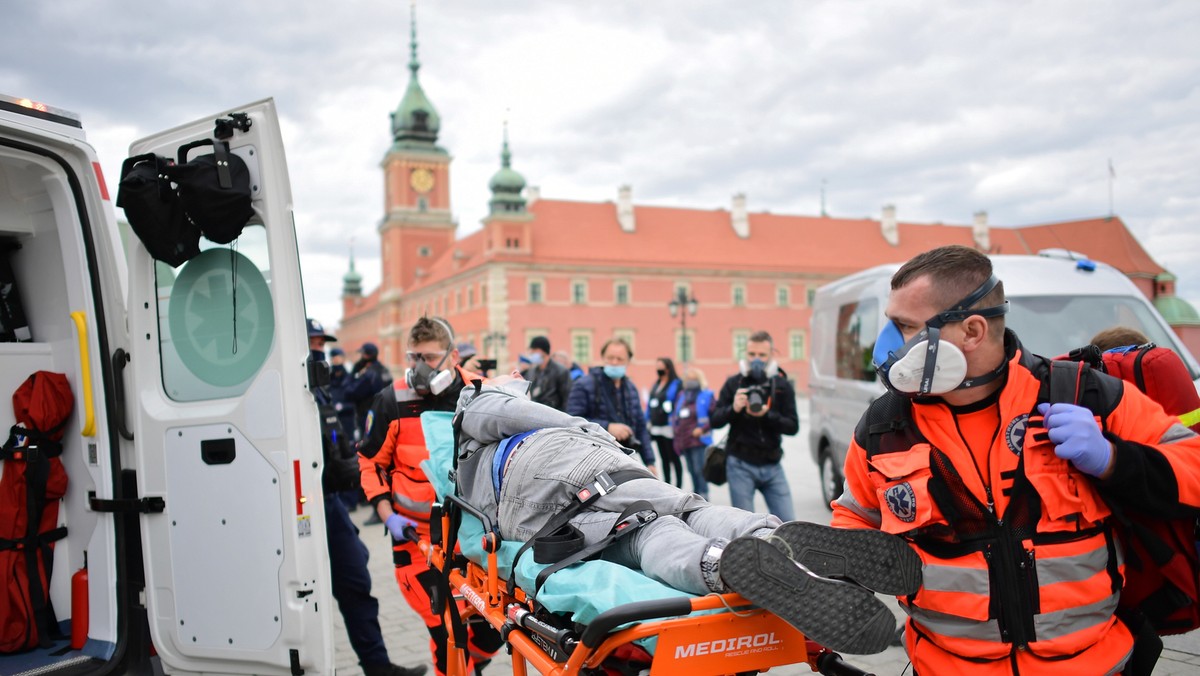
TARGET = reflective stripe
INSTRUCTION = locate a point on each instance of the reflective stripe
(1072, 568)
(1050, 626)
(956, 579)
(955, 626)
(1177, 432)
(1190, 418)
(847, 500)
(403, 502)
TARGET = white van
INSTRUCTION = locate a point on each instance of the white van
(1059, 300)
(194, 472)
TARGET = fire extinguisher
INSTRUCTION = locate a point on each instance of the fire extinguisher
(79, 606)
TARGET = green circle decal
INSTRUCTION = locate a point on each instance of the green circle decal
(222, 330)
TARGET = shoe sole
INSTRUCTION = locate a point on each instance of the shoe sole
(838, 615)
(876, 560)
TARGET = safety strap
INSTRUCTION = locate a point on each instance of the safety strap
(636, 515)
(604, 484)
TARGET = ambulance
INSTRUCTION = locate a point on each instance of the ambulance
(193, 512)
(1058, 300)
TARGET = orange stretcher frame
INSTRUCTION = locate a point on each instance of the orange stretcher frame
(745, 640)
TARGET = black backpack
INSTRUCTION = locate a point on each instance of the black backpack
(214, 190)
(154, 210)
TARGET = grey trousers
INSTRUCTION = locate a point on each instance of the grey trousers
(679, 549)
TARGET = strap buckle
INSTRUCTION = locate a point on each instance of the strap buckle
(639, 519)
(602, 486)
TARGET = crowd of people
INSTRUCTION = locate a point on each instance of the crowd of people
(967, 469)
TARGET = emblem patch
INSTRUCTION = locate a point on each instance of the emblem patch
(902, 501)
(1014, 434)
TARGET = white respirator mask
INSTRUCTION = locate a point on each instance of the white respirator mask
(927, 365)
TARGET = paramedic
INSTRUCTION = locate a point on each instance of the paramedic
(349, 576)
(390, 457)
(559, 480)
(998, 496)
(759, 405)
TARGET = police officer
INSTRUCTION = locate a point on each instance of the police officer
(351, 581)
(367, 378)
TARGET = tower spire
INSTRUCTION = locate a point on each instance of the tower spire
(413, 63)
(506, 184)
(352, 280)
(505, 153)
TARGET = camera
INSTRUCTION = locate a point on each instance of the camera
(757, 396)
(633, 444)
(486, 365)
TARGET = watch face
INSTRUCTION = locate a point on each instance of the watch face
(421, 180)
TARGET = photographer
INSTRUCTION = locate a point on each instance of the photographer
(759, 406)
(608, 398)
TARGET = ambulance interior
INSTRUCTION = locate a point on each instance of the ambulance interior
(44, 275)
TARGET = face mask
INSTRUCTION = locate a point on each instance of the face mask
(614, 372)
(758, 370)
(534, 358)
(425, 379)
(691, 385)
(927, 365)
(661, 372)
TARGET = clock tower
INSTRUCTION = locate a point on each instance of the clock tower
(417, 226)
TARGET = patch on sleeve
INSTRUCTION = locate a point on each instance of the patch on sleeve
(902, 501)
(1014, 434)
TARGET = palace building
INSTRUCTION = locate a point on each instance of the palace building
(582, 272)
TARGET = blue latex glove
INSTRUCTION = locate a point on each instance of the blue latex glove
(1077, 437)
(397, 525)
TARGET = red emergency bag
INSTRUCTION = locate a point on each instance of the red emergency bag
(1162, 572)
(31, 487)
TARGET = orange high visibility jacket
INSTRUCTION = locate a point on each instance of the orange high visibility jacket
(393, 470)
(1032, 583)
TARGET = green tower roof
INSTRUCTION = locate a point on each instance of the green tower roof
(507, 183)
(352, 280)
(415, 121)
(1177, 311)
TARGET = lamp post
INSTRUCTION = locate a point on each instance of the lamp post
(681, 306)
(492, 342)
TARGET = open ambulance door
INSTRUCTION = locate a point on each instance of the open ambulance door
(227, 435)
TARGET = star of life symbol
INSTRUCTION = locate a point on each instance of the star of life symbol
(1014, 434)
(902, 501)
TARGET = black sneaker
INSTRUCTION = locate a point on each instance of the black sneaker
(393, 670)
(876, 560)
(838, 615)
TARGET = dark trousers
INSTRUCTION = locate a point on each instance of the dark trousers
(672, 466)
(352, 584)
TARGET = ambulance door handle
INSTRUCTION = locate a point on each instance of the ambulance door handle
(119, 359)
(85, 368)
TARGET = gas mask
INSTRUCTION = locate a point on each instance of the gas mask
(927, 365)
(757, 370)
(425, 379)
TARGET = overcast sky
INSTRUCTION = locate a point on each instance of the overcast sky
(942, 109)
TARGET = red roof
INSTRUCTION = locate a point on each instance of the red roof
(588, 234)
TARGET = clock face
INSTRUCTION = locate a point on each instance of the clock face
(421, 180)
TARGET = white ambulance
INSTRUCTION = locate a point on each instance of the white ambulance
(1058, 301)
(193, 451)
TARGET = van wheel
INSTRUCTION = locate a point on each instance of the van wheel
(831, 478)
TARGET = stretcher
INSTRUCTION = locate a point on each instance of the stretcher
(594, 617)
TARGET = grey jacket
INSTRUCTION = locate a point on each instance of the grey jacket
(553, 465)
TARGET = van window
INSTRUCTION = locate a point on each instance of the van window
(857, 329)
(1054, 325)
(215, 334)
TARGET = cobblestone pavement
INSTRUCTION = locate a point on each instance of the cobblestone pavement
(408, 642)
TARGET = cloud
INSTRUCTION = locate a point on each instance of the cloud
(941, 109)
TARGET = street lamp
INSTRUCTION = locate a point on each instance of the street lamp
(681, 306)
(493, 342)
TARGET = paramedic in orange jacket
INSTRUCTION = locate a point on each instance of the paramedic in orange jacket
(1005, 499)
(390, 457)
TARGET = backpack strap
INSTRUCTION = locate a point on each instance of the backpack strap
(887, 426)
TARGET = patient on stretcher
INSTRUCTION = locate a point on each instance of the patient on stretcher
(565, 487)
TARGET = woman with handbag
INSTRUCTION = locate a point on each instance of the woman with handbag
(689, 422)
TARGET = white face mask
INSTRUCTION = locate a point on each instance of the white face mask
(949, 370)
